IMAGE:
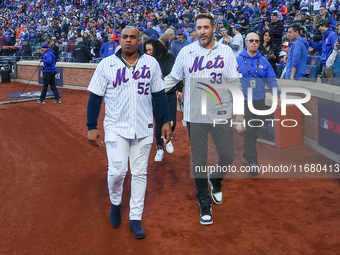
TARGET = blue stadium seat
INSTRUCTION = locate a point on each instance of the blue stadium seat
(96, 60)
(279, 70)
(71, 59)
(312, 70)
(315, 61)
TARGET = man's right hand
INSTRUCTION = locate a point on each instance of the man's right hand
(93, 136)
(336, 45)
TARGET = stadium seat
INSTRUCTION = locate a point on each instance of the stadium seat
(96, 60)
(312, 70)
(315, 61)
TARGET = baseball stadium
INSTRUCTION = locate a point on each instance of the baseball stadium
(113, 143)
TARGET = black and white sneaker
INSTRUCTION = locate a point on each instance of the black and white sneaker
(41, 101)
(206, 215)
(57, 101)
(216, 192)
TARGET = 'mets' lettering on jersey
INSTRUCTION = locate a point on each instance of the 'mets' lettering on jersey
(121, 75)
(198, 64)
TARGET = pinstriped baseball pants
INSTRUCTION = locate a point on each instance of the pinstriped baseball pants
(120, 151)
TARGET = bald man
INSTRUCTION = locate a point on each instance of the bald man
(128, 80)
(257, 72)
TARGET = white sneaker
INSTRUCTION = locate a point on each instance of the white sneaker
(169, 147)
(216, 192)
(159, 154)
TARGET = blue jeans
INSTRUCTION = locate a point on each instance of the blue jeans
(336, 79)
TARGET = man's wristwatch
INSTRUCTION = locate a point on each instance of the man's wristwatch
(170, 122)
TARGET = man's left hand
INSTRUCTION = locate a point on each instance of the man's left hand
(240, 119)
(166, 130)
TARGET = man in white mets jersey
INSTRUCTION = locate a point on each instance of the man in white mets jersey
(128, 81)
(205, 64)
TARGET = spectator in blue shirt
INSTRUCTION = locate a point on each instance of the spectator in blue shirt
(108, 48)
(297, 55)
(179, 43)
(326, 45)
(257, 72)
(248, 12)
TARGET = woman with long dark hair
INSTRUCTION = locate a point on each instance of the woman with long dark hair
(155, 48)
(268, 49)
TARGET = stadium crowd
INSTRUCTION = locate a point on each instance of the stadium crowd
(86, 31)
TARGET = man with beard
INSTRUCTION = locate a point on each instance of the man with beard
(201, 62)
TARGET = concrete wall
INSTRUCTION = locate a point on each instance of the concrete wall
(74, 74)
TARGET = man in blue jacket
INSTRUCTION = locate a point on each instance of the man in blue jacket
(108, 48)
(326, 45)
(49, 72)
(256, 72)
(297, 55)
(179, 43)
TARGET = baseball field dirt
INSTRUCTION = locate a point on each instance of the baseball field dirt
(54, 197)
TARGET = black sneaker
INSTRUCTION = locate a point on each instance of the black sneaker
(137, 229)
(206, 215)
(254, 170)
(57, 101)
(216, 192)
(41, 101)
(115, 215)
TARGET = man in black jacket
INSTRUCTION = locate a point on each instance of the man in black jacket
(95, 45)
(26, 50)
(276, 28)
(81, 52)
(55, 49)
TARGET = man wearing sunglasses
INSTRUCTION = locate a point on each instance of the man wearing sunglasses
(256, 72)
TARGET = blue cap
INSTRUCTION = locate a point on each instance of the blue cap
(192, 30)
(181, 26)
(179, 32)
(45, 45)
(237, 26)
(154, 36)
(231, 21)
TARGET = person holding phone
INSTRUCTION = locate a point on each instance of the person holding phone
(334, 62)
(269, 50)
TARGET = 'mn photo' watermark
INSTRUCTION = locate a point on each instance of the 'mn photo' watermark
(215, 104)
